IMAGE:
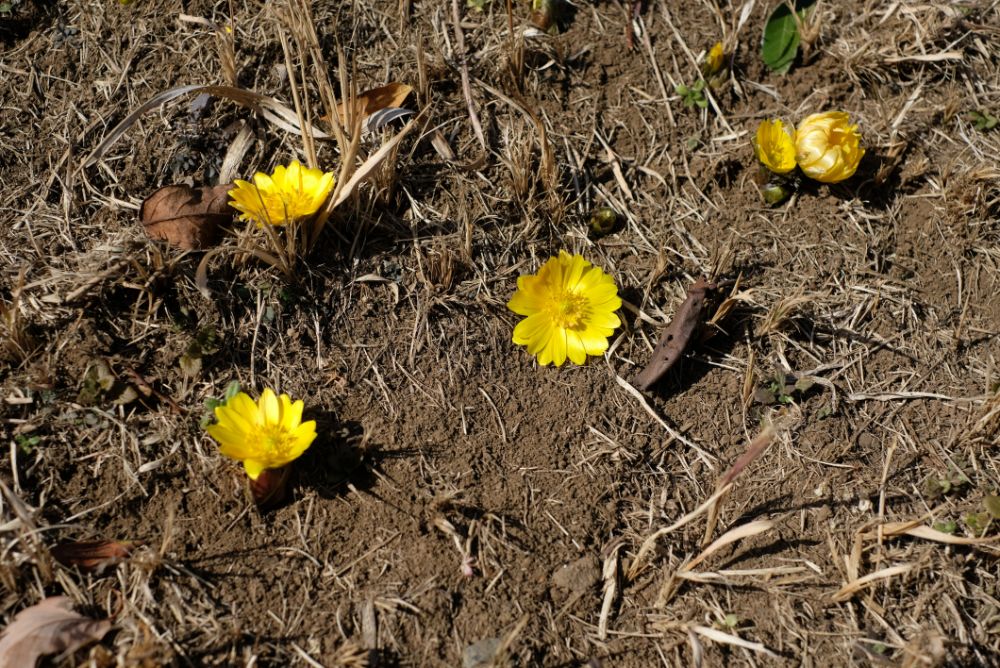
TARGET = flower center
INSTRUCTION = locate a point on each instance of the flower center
(568, 310)
(272, 439)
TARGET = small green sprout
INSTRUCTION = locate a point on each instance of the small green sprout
(978, 523)
(693, 95)
(948, 527)
(26, 443)
(983, 120)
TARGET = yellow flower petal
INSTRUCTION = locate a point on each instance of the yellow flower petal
(524, 302)
(531, 328)
(575, 348)
(268, 411)
(232, 443)
(607, 320)
(594, 343)
(576, 268)
(253, 468)
(540, 345)
(715, 59)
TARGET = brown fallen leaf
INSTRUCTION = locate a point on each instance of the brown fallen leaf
(384, 97)
(148, 390)
(677, 336)
(92, 555)
(187, 217)
(45, 628)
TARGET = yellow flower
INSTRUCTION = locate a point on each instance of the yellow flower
(288, 195)
(264, 435)
(715, 60)
(828, 147)
(570, 307)
(775, 146)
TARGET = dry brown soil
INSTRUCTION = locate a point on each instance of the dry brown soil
(458, 492)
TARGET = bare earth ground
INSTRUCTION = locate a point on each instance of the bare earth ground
(444, 447)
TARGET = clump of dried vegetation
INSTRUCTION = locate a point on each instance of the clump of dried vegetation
(810, 479)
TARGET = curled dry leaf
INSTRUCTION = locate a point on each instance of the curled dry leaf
(677, 336)
(47, 628)
(384, 97)
(187, 217)
(92, 555)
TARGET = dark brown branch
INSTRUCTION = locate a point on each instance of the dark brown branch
(677, 336)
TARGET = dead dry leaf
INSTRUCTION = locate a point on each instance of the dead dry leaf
(371, 101)
(187, 217)
(47, 628)
(677, 336)
(928, 533)
(853, 587)
(92, 555)
(731, 536)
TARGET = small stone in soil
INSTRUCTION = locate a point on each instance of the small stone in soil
(579, 576)
(480, 654)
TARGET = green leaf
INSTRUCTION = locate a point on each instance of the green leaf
(983, 120)
(232, 390)
(26, 443)
(781, 36)
(803, 385)
(992, 503)
(949, 527)
(977, 523)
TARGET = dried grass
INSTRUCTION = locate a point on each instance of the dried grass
(879, 293)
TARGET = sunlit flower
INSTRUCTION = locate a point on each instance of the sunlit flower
(827, 147)
(570, 307)
(289, 194)
(715, 60)
(775, 146)
(265, 435)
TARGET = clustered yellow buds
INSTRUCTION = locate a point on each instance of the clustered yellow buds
(826, 147)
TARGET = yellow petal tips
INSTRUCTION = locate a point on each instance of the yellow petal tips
(287, 195)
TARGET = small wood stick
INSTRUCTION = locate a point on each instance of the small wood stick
(677, 336)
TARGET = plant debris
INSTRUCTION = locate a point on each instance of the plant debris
(92, 555)
(187, 217)
(390, 96)
(47, 628)
(677, 336)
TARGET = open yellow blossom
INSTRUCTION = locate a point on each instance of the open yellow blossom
(289, 194)
(775, 146)
(265, 435)
(570, 307)
(828, 147)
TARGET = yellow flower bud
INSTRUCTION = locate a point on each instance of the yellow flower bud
(715, 60)
(827, 147)
(775, 146)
